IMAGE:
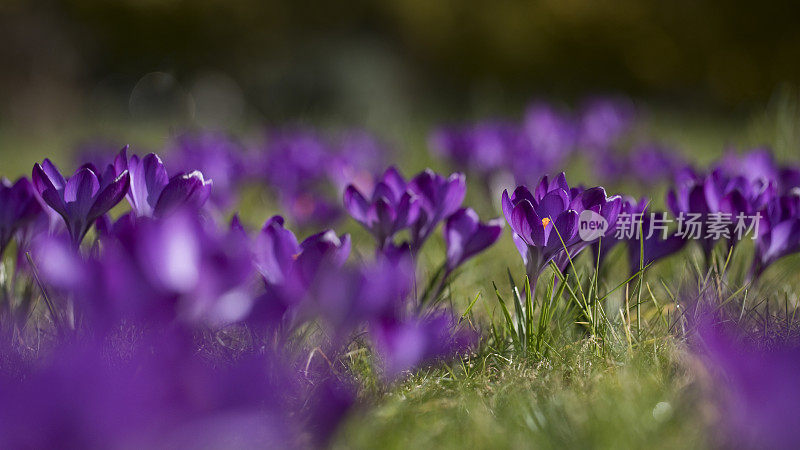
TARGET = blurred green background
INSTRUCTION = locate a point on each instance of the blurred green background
(82, 66)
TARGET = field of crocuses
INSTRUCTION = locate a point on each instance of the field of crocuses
(559, 279)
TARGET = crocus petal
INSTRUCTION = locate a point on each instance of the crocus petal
(593, 197)
(507, 205)
(53, 174)
(356, 205)
(41, 181)
(552, 204)
(189, 190)
(110, 196)
(458, 230)
(566, 225)
(527, 224)
(697, 200)
(486, 235)
(454, 195)
(393, 179)
(148, 180)
(275, 250)
(79, 193)
(51, 197)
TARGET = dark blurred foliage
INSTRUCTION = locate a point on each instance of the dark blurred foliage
(292, 57)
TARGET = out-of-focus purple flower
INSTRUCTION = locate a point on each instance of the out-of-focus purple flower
(604, 121)
(759, 390)
(308, 209)
(778, 231)
(176, 270)
(358, 159)
(217, 155)
(545, 222)
(717, 193)
(389, 209)
(289, 268)
(648, 163)
(82, 198)
(483, 148)
(656, 246)
(404, 344)
(296, 160)
(153, 194)
(438, 198)
(87, 397)
(18, 208)
(546, 138)
(466, 236)
(652, 162)
(759, 165)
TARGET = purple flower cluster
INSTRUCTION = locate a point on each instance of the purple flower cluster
(171, 329)
(753, 184)
(419, 205)
(539, 143)
(303, 167)
(546, 137)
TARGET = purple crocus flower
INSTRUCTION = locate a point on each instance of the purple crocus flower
(297, 160)
(655, 246)
(217, 155)
(652, 162)
(389, 209)
(546, 138)
(758, 390)
(717, 193)
(177, 270)
(545, 222)
(405, 344)
(778, 232)
(359, 158)
(18, 208)
(603, 121)
(153, 194)
(289, 268)
(82, 198)
(438, 198)
(466, 236)
(483, 148)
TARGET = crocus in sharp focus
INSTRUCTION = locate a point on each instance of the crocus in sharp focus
(82, 198)
(545, 222)
(18, 207)
(153, 194)
(466, 236)
(389, 209)
(438, 198)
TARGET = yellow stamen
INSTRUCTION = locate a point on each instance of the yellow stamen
(545, 221)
